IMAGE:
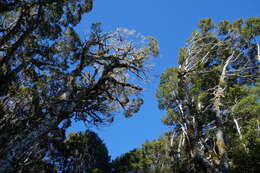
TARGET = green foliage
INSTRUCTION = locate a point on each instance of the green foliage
(153, 157)
(167, 85)
(182, 55)
(216, 85)
(77, 153)
(224, 27)
(36, 166)
(252, 27)
(246, 159)
(153, 45)
(206, 24)
(247, 106)
(82, 152)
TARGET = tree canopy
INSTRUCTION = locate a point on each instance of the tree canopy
(77, 153)
(212, 97)
(49, 75)
(81, 152)
(153, 157)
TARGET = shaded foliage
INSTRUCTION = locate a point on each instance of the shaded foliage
(77, 153)
(48, 75)
(82, 152)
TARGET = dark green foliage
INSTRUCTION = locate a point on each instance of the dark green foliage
(81, 152)
(129, 162)
(77, 153)
(206, 24)
(153, 157)
(36, 166)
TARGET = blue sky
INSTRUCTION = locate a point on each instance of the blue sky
(171, 22)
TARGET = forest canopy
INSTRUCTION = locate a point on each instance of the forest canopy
(50, 76)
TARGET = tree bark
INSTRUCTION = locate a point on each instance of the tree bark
(219, 94)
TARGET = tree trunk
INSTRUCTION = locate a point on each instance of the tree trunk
(219, 94)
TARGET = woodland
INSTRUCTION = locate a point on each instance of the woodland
(49, 77)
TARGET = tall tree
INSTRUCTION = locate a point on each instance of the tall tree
(49, 76)
(207, 96)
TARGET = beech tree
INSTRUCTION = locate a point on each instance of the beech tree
(212, 97)
(48, 75)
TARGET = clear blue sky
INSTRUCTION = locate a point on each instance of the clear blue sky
(171, 22)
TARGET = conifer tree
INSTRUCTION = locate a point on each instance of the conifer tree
(212, 97)
(48, 75)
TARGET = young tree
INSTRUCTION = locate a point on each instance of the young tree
(207, 96)
(49, 76)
